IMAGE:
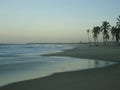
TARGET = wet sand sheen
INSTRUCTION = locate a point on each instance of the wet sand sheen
(20, 72)
(107, 78)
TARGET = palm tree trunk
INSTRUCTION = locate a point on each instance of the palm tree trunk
(89, 39)
(104, 40)
(117, 37)
(97, 40)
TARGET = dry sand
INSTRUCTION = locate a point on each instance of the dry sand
(106, 78)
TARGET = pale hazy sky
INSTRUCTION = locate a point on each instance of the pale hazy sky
(23, 21)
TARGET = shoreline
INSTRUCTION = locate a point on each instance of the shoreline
(105, 78)
(106, 53)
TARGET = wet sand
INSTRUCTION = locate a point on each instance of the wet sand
(98, 53)
(106, 78)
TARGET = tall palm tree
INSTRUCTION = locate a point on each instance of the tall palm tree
(118, 30)
(88, 36)
(107, 37)
(105, 29)
(118, 23)
(96, 31)
(113, 32)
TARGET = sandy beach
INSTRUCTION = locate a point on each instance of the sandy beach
(106, 78)
(94, 52)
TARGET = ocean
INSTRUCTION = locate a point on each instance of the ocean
(20, 62)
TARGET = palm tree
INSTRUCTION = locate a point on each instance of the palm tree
(107, 37)
(88, 36)
(118, 23)
(113, 32)
(118, 30)
(96, 31)
(105, 29)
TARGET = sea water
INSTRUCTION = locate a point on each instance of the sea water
(25, 61)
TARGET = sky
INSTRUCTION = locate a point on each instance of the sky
(26, 21)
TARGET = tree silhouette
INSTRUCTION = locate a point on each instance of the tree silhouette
(105, 29)
(113, 32)
(96, 31)
(118, 30)
(88, 36)
(118, 23)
